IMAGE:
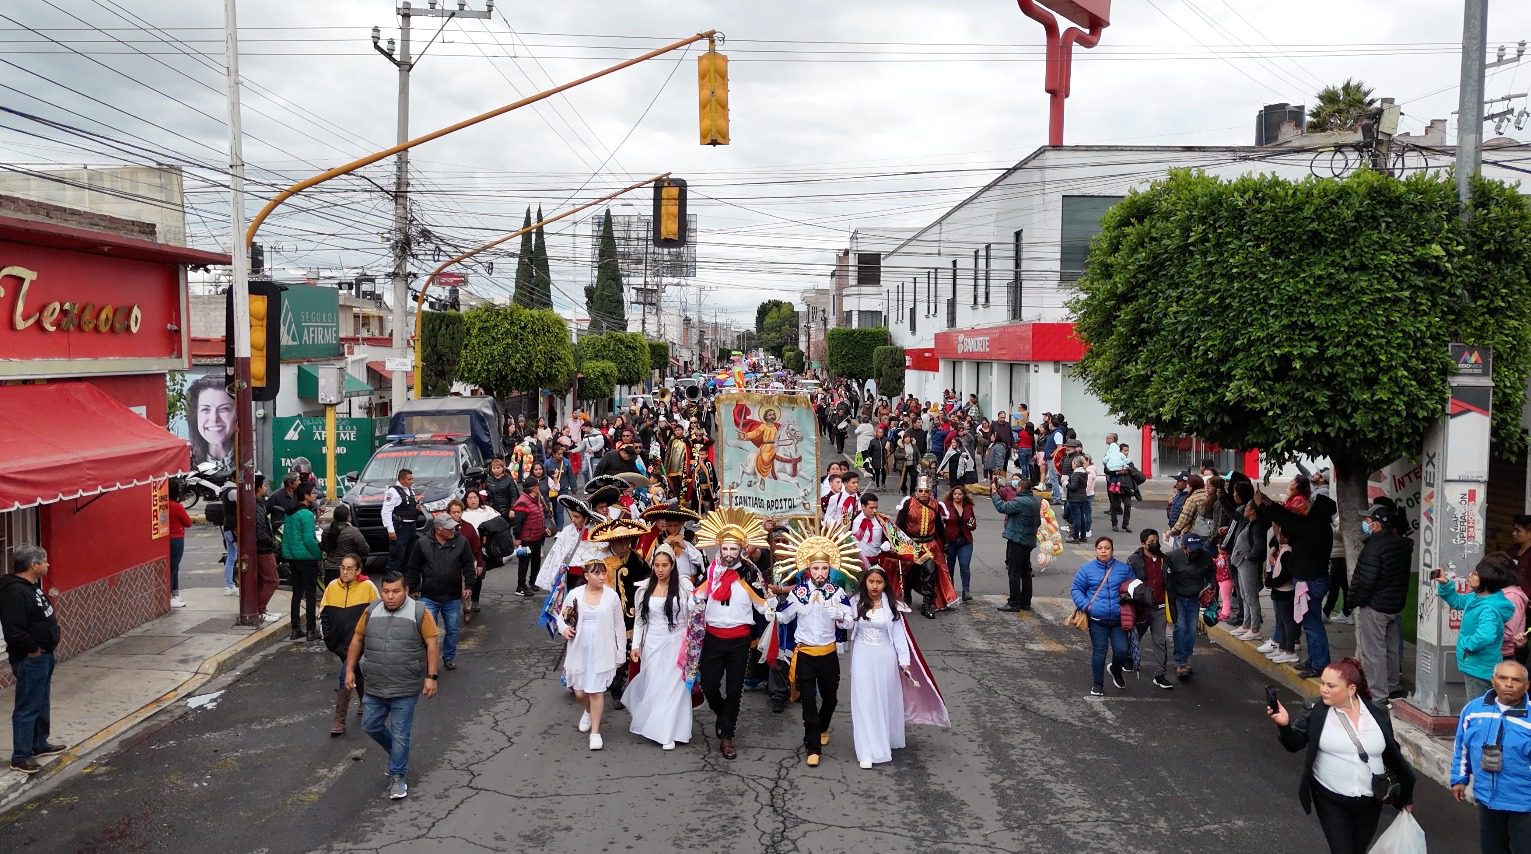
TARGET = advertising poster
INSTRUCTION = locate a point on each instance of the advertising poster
(768, 454)
(303, 436)
(209, 419)
(159, 510)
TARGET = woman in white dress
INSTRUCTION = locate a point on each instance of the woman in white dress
(880, 661)
(657, 697)
(596, 639)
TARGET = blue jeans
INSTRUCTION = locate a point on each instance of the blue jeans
(963, 555)
(557, 516)
(29, 722)
(1100, 635)
(1313, 624)
(448, 617)
(1187, 612)
(177, 550)
(231, 546)
(1078, 514)
(388, 721)
(1023, 462)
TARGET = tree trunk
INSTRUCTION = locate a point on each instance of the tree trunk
(1349, 491)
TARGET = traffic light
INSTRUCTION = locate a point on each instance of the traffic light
(265, 338)
(712, 91)
(670, 213)
(257, 259)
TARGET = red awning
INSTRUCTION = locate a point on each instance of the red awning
(380, 368)
(70, 439)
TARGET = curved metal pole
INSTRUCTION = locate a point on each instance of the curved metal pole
(1060, 62)
(431, 279)
(354, 165)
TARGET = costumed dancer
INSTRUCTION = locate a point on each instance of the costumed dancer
(869, 531)
(890, 683)
(701, 477)
(625, 568)
(669, 521)
(564, 567)
(657, 697)
(590, 622)
(920, 518)
(730, 614)
(819, 612)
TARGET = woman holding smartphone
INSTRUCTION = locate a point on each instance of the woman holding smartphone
(1484, 613)
(1350, 747)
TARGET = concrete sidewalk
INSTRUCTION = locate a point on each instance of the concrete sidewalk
(103, 693)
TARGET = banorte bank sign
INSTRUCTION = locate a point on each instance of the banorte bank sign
(977, 345)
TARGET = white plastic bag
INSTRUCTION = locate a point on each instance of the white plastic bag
(1403, 836)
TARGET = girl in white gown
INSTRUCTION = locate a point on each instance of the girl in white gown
(596, 639)
(880, 663)
(657, 698)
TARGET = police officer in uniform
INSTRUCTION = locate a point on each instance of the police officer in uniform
(401, 512)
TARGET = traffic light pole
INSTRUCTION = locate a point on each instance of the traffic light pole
(431, 279)
(244, 441)
(1060, 61)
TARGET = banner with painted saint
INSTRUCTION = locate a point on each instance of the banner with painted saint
(768, 454)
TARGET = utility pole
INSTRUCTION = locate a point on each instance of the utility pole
(406, 63)
(244, 403)
(1470, 98)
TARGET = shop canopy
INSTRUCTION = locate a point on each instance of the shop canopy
(71, 440)
(380, 367)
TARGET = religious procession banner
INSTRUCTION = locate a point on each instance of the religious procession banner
(768, 454)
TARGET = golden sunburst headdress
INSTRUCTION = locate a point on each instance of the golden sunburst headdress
(810, 542)
(732, 525)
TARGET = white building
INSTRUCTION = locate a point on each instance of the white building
(978, 297)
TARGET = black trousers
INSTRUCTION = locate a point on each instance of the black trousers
(1504, 832)
(529, 564)
(1349, 823)
(776, 686)
(908, 479)
(1338, 584)
(722, 666)
(1120, 502)
(818, 690)
(1018, 567)
(398, 549)
(305, 588)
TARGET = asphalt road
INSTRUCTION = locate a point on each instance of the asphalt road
(1030, 764)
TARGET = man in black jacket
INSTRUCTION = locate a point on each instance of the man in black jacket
(440, 569)
(265, 553)
(31, 634)
(1311, 537)
(1378, 590)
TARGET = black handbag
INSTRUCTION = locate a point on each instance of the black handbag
(1386, 787)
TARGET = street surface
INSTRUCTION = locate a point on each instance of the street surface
(1031, 763)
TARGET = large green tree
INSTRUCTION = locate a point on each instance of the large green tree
(523, 292)
(777, 328)
(1342, 107)
(764, 309)
(605, 301)
(441, 341)
(850, 350)
(1309, 317)
(629, 351)
(888, 370)
(659, 356)
(507, 348)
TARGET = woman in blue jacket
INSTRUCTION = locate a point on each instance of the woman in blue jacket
(1484, 613)
(1097, 592)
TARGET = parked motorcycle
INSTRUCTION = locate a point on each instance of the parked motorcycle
(205, 483)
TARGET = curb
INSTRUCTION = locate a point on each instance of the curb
(1282, 674)
(13, 791)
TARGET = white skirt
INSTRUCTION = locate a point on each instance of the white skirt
(657, 698)
(877, 701)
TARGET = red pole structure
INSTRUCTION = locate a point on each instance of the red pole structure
(1060, 60)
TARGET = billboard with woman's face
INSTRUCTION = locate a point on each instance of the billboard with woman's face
(210, 419)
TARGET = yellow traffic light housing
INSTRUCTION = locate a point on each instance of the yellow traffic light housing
(265, 338)
(670, 213)
(712, 92)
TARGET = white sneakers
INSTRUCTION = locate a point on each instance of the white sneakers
(595, 741)
(669, 745)
(866, 766)
(177, 602)
(1285, 658)
(1266, 647)
(230, 591)
(584, 724)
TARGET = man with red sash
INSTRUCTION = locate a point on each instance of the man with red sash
(733, 609)
(920, 518)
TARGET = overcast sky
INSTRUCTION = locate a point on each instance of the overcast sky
(845, 114)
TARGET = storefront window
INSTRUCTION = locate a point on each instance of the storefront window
(17, 528)
(1081, 222)
(1186, 453)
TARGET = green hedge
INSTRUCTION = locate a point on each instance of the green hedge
(850, 351)
(659, 356)
(629, 351)
(793, 358)
(441, 340)
(888, 370)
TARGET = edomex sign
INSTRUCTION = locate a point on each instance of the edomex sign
(310, 323)
(303, 436)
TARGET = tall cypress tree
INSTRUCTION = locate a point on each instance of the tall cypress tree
(542, 274)
(523, 294)
(605, 301)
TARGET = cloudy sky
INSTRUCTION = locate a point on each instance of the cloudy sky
(845, 114)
